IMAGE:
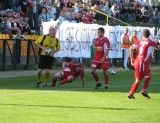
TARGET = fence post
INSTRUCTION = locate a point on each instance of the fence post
(107, 19)
(28, 53)
(4, 55)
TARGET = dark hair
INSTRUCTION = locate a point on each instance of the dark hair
(146, 33)
(101, 29)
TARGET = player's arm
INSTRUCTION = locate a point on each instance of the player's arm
(57, 48)
(65, 65)
(131, 53)
(104, 56)
(106, 51)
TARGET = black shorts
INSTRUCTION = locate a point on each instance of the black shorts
(46, 62)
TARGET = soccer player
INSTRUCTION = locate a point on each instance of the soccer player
(100, 59)
(70, 72)
(141, 63)
(46, 61)
(125, 48)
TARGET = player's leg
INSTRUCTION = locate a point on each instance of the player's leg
(39, 75)
(68, 79)
(105, 78)
(95, 76)
(48, 65)
(134, 88)
(139, 75)
(41, 65)
(146, 85)
(55, 77)
(46, 77)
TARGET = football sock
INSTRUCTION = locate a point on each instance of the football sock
(46, 78)
(146, 83)
(39, 76)
(95, 76)
(54, 80)
(134, 88)
(106, 79)
(65, 81)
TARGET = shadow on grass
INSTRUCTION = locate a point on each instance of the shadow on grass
(69, 107)
(121, 82)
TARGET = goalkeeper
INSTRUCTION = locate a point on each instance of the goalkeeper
(46, 60)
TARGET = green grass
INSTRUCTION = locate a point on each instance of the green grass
(21, 102)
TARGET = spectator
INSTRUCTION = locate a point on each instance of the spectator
(145, 15)
(12, 25)
(40, 7)
(78, 17)
(4, 29)
(42, 17)
(86, 18)
(17, 46)
(53, 10)
(156, 16)
(114, 11)
(23, 7)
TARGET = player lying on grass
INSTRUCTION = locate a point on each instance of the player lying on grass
(69, 73)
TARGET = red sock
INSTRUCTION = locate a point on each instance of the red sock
(54, 80)
(146, 83)
(95, 76)
(106, 79)
(134, 88)
(65, 81)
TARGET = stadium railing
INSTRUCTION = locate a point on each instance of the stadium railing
(6, 45)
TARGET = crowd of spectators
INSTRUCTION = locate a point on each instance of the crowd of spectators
(28, 15)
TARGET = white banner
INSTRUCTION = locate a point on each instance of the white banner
(76, 38)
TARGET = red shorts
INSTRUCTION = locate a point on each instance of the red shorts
(141, 69)
(97, 65)
(66, 73)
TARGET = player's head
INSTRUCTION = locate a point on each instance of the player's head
(101, 32)
(80, 66)
(52, 32)
(146, 33)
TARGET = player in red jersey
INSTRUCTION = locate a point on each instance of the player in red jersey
(69, 73)
(141, 63)
(100, 59)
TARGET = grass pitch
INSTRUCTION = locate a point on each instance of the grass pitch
(21, 102)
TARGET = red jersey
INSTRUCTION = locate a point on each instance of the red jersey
(101, 45)
(74, 72)
(145, 48)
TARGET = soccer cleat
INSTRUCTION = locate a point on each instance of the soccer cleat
(45, 86)
(51, 85)
(145, 94)
(98, 85)
(106, 87)
(131, 97)
(37, 84)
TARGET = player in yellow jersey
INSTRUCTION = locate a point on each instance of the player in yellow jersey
(48, 45)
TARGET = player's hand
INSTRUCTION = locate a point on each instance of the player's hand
(132, 62)
(44, 48)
